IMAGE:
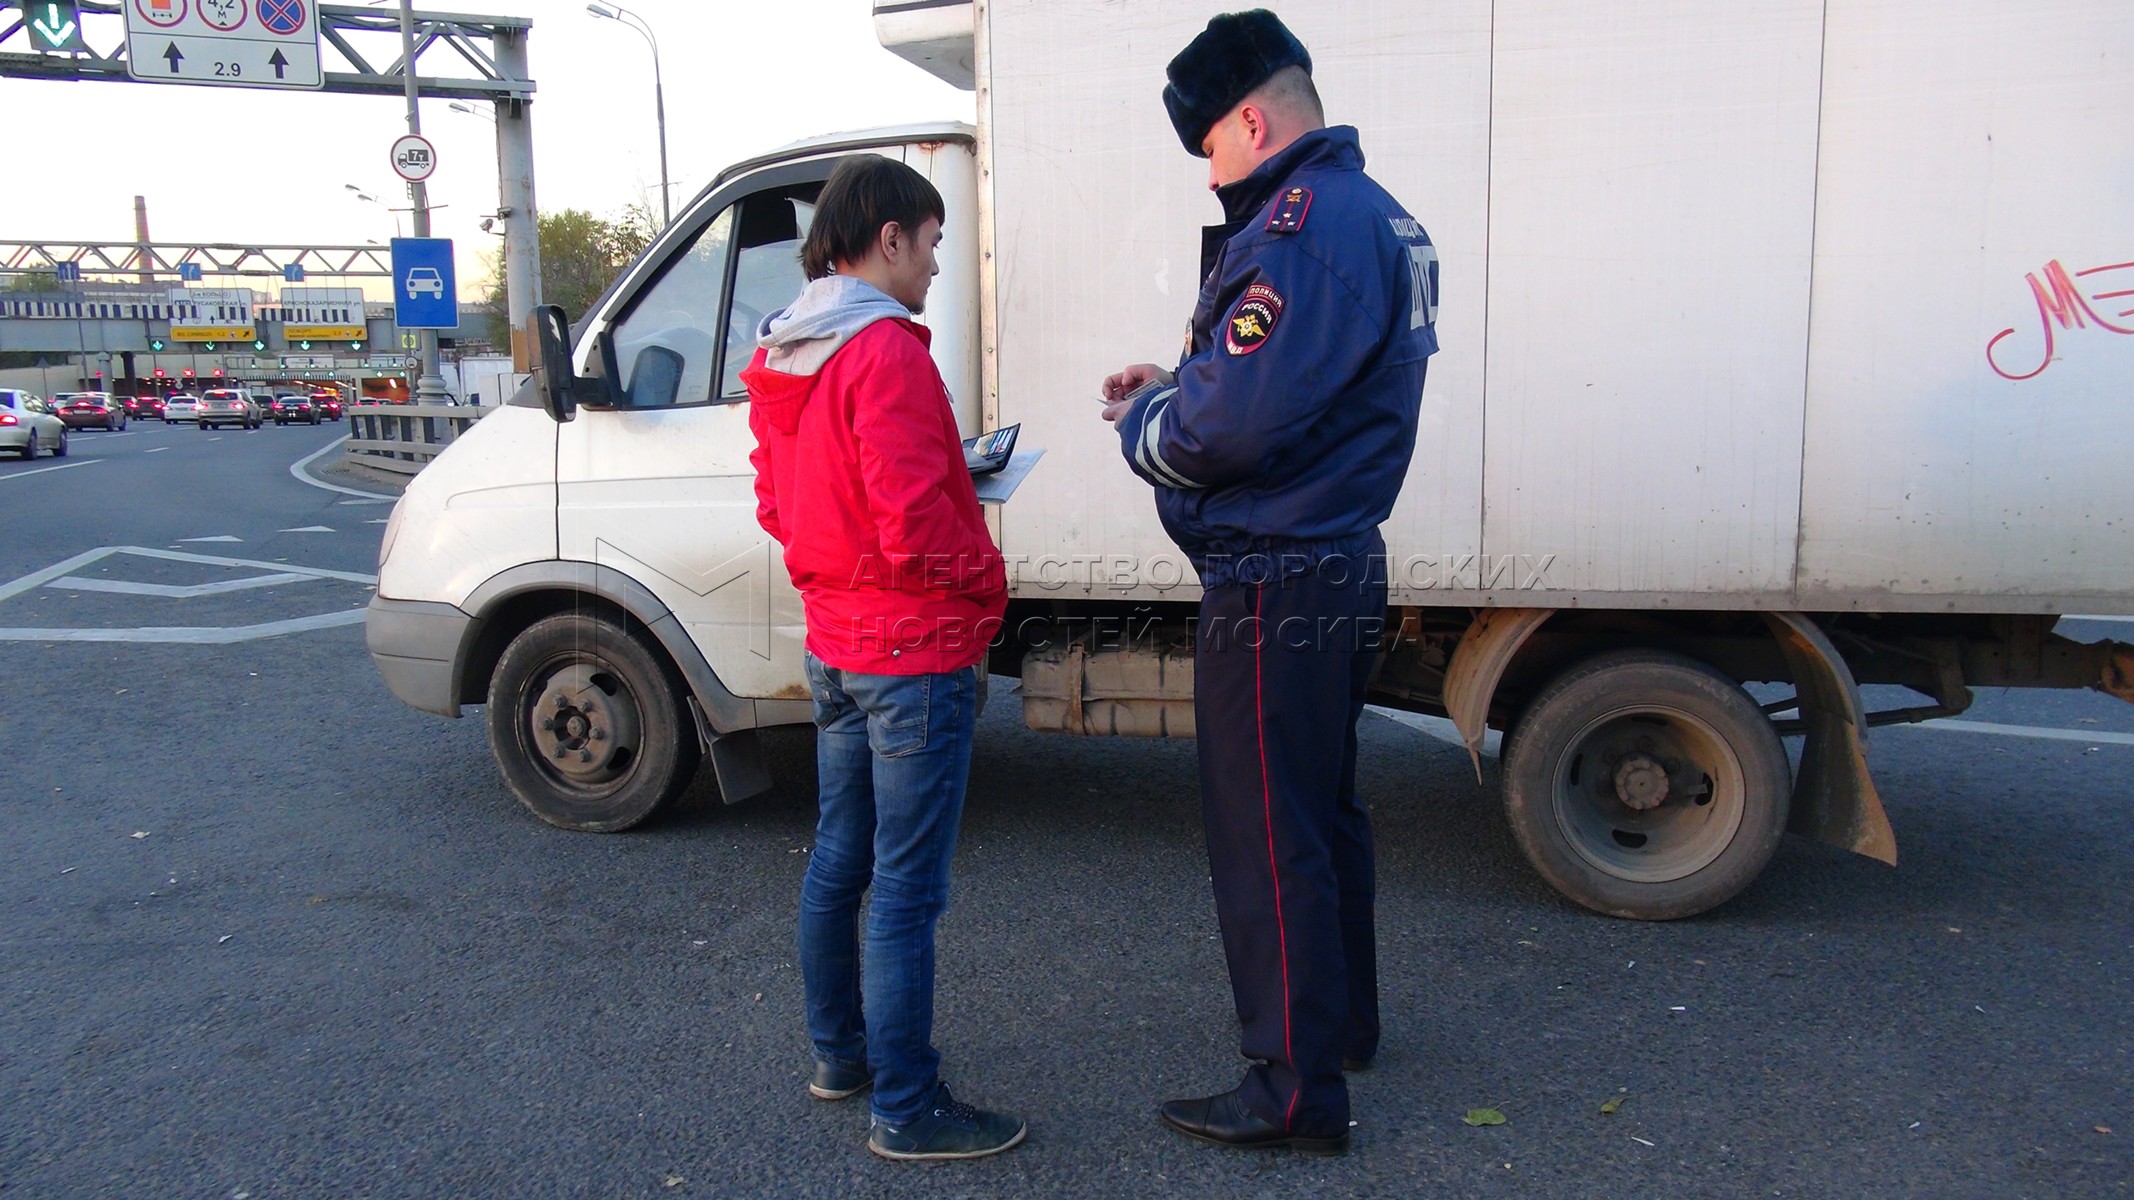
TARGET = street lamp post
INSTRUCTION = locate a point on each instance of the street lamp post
(363, 195)
(616, 12)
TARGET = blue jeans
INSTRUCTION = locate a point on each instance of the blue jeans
(893, 753)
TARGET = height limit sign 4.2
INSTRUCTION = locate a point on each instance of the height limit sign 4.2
(224, 43)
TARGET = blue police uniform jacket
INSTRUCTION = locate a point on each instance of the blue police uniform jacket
(1289, 430)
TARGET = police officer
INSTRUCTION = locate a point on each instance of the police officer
(1276, 450)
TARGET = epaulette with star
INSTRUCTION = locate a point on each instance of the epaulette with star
(1289, 211)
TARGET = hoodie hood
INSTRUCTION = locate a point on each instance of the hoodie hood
(798, 339)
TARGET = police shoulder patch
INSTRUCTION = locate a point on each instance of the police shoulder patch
(1252, 319)
(1289, 210)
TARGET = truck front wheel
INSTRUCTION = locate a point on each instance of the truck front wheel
(1647, 785)
(588, 725)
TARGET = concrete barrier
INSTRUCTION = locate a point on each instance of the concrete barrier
(405, 437)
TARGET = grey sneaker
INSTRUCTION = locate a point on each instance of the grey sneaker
(950, 1129)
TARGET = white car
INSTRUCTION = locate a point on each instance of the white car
(181, 407)
(28, 426)
(425, 279)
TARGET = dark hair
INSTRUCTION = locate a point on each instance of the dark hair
(864, 193)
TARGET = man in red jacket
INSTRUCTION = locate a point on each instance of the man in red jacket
(860, 477)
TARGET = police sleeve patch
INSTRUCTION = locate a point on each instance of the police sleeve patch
(1289, 211)
(1253, 319)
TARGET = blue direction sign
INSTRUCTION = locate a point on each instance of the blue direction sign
(189, 272)
(425, 293)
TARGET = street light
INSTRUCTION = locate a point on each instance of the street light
(469, 109)
(363, 195)
(616, 12)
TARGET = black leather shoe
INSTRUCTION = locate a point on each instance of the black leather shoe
(835, 1081)
(1223, 1121)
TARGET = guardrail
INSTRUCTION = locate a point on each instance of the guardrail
(404, 437)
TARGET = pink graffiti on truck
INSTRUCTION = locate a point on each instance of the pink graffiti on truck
(2061, 302)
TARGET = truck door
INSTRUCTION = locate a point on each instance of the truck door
(660, 487)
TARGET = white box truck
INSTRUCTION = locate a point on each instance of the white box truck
(1786, 342)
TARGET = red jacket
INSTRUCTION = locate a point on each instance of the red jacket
(860, 477)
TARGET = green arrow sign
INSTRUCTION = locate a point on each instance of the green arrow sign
(156, 344)
(55, 26)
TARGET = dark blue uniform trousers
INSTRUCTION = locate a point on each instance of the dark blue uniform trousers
(1280, 670)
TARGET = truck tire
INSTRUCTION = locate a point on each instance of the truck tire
(1644, 784)
(588, 724)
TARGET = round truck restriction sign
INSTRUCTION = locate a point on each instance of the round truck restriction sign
(414, 158)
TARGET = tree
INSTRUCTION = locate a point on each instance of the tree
(580, 255)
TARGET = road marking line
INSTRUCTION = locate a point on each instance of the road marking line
(188, 635)
(2045, 732)
(302, 476)
(87, 462)
(2118, 620)
(218, 560)
(171, 591)
(157, 450)
(307, 529)
(220, 537)
(378, 500)
(108, 437)
(1438, 727)
(37, 579)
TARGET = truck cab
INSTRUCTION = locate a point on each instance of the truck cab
(608, 567)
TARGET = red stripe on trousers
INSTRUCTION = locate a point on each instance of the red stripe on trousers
(1259, 701)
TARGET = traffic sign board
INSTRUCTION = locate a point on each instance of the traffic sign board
(226, 43)
(55, 26)
(425, 292)
(414, 158)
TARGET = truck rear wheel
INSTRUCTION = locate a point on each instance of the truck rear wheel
(1647, 785)
(588, 725)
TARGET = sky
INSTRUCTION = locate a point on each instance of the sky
(256, 166)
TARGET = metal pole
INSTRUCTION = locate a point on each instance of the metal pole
(659, 107)
(430, 386)
(515, 185)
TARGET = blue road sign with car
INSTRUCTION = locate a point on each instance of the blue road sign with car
(425, 293)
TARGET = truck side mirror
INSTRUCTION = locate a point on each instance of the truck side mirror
(559, 394)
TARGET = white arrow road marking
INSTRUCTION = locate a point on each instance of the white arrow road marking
(87, 462)
(220, 537)
(170, 591)
(2045, 732)
(307, 529)
(187, 635)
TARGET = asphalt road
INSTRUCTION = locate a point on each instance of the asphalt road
(268, 933)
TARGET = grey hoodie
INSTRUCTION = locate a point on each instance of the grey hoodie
(800, 338)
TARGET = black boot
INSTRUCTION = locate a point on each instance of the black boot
(1223, 1121)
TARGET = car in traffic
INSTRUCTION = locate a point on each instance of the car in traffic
(227, 406)
(291, 406)
(29, 427)
(143, 407)
(328, 404)
(181, 407)
(90, 410)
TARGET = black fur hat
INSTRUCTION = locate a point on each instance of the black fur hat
(1236, 53)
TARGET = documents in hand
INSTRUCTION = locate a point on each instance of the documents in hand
(996, 469)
